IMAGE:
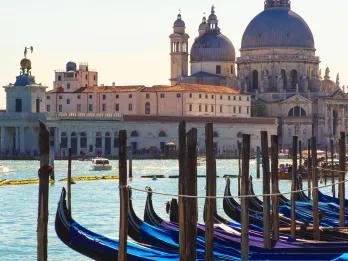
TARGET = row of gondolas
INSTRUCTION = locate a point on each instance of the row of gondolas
(157, 239)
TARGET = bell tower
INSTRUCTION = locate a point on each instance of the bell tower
(178, 51)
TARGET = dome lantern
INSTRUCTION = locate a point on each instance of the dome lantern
(203, 26)
(277, 3)
(212, 20)
(179, 25)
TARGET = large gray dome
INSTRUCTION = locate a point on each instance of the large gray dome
(278, 27)
(212, 46)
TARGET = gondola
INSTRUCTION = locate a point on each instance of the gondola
(97, 246)
(257, 241)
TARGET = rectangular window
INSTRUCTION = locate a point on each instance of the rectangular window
(218, 69)
(117, 107)
(147, 96)
(240, 110)
(48, 108)
(90, 107)
(48, 97)
(212, 108)
(221, 108)
(103, 107)
(94, 78)
(117, 96)
(67, 101)
(190, 107)
(86, 77)
(221, 97)
(104, 97)
(59, 78)
(229, 98)
(190, 95)
(206, 96)
(130, 96)
(240, 98)
(78, 97)
(78, 107)
(178, 95)
(247, 98)
(60, 108)
(130, 107)
(91, 96)
(37, 105)
(212, 97)
(234, 98)
(162, 95)
(68, 85)
(200, 108)
(234, 109)
(206, 108)
(60, 97)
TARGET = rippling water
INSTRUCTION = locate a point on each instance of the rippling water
(95, 205)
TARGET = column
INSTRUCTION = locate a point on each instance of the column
(78, 144)
(2, 139)
(16, 147)
(103, 143)
(21, 140)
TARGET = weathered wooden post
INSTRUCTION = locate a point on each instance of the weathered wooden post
(309, 167)
(69, 181)
(124, 195)
(52, 152)
(342, 174)
(316, 220)
(239, 165)
(210, 203)
(294, 186)
(300, 153)
(44, 173)
(182, 170)
(191, 217)
(275, 188)
(258, 161)
(130, 161)
(332, 168)
(244, 199)
(266, 190)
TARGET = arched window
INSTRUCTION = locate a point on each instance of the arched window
(73, 134)
(134, 134)
(162, 134)
(83, 140)
(285, 78)
(255, 80)
(297, 111)
(294, 79)
(63, 140)
(147, 108)
(107, 134)
(216, 134)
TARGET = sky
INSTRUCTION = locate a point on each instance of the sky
(127, 41)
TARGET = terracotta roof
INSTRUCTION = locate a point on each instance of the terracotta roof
(225, 120)
(186, 87)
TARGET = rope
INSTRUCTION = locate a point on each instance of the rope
(147, 190)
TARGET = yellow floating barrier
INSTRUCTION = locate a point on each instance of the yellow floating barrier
(20, 182)
(93, 178)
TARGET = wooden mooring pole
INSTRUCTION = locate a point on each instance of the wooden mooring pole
(210, 203)
(300, 153)
(69, 181)
(44, 173)
(294, 186)
(266, 190)
(332, 168)
(124, 195)
(130, 161)
(342, 175)
(258, 161)
(239, 145)
(191, 211)
(309, 167)
(275, 187)
(316, 219)
(245, 200)
(181, 189)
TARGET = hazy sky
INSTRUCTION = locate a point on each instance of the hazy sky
(127, 41)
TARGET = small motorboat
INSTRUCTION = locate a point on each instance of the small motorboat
(100, 164)
(3, 169)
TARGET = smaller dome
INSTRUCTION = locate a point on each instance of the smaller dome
(212, 46)
(179, 22)
(25, 64)
(71, 67)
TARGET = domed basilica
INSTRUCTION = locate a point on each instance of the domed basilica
(278, 66)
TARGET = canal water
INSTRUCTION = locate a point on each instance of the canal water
(95, 205)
